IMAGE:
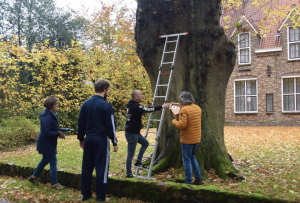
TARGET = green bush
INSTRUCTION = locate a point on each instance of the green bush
(17, 131)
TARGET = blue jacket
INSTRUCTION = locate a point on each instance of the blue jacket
(49, 132)
(96, 118)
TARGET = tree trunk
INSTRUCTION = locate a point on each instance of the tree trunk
(204, 63)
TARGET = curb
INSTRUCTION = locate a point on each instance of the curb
(147, 190)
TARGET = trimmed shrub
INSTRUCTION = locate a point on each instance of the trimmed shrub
(17, 131)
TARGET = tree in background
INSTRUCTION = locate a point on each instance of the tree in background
(39, 20)
(111, 28)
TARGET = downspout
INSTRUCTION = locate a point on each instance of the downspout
(221, 17)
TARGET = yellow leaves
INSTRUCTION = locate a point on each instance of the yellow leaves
(68, 74)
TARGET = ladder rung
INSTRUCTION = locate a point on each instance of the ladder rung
(168, 52)
(149, 157)
(141, 168)
(160, 96)
(144, 177)
(165, 74)
(174, 35)
(155, 120)
(171, 41)
(167, 62)
(152, 132)
(164, 85)
(151, 144)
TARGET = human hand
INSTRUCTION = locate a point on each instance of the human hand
(116, 148)
(81, 144)
(166, 105)
(62, 134)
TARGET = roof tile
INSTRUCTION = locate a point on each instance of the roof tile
(255, 14)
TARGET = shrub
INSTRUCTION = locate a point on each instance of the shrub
(17, 131)
(69, 74)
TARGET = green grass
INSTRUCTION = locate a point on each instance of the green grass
(20, 190)
(268, 158)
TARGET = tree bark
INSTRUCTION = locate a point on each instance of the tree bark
(204, 63)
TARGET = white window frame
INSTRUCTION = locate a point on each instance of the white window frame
(295, 97)
(239, 48)
(243, 112)
(288, 43)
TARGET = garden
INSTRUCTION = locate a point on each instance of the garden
(267, 158)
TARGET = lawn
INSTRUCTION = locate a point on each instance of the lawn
(268, 158)
(20, 190)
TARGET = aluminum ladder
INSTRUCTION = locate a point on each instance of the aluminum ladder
(172, 63)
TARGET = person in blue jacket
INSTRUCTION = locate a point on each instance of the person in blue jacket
(97, 122)
(47, 142)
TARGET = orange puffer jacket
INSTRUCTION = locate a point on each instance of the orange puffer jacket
(189, 124)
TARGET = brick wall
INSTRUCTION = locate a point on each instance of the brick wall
(280, 66)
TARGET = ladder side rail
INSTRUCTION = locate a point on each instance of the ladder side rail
(156, 144)
(176, 48)
(163, 56)
(155, 92)
(152, 159)
(168, 88)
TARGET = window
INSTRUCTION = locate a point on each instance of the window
(291, 94)
(269, 98)
(245, 93)
(294, 43)
(244, 48)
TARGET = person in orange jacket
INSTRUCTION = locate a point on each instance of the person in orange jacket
(189, 122)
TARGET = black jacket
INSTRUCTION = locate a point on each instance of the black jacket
(49, 132)
(96, 118)
(134, 116)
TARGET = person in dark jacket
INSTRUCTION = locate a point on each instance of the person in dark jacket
(47, 142)
(97, 122)
(133, 127)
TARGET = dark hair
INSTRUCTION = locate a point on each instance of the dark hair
(133, 93)
(186, 98)
(50, 101)
(101, 85)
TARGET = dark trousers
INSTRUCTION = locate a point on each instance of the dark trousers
(95, 154)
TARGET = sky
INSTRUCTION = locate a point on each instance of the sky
(76, 4)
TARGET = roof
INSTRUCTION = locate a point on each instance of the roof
(254, 14)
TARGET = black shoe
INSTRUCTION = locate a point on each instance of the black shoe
(34, 180)
(130, 176)
(86, 198)
(140, 165)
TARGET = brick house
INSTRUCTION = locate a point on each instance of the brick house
(264, 87)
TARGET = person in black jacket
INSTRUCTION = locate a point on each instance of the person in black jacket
(133, 127)
(47, 142)
(97, 122)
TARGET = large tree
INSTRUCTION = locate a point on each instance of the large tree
(204, 63)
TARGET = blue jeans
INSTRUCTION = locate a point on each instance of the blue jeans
(51, 159)
(132, 140)
(188, 156)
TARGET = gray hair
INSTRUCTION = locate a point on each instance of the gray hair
(186, 98)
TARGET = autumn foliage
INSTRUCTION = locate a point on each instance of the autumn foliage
(69, 73)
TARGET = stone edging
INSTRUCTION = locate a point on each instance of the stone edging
(147, 190)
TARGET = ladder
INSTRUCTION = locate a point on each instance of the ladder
(165, 97)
